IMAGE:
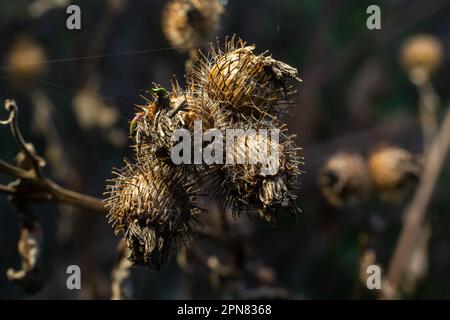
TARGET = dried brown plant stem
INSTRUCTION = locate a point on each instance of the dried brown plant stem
(72, 197)
(13, 171)
(120, 273)
(30, 276)
(415, 213)
(427, 108)
(33, 185)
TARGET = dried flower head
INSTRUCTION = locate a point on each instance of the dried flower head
(152, 201)
(262, 176)
(393, 170)
(152, 128)
(344, 179)
(153, 204)
(25, 60)
(243, 81)
(189, 23)
(248, 92)
(421, 55)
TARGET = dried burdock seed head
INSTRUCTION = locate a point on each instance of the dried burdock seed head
(393, 170)
(196, 105)
(189, 23)
(262, 176)
(153, 126)
(154, 205)
(25, 60)
(344, 179)
(421, 55)
(243, 81)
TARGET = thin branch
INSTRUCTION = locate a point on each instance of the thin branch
(72, 197)
(121, 273)
(30, 276)
(7, 189)
(32, 185)
(14, 171)
(11, 106)
(415, 213)
(428, 108)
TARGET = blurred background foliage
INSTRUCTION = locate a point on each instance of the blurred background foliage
(354, 95)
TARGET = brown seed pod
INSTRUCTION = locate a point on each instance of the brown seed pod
(189, 23)
(344, 179)
(154, 205)
(393, 170)
(196, 106)
(422, 51)
(244, 82)
(261, 174)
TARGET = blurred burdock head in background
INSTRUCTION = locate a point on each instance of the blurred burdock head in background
(92, 110)
(421, 55)
(154, 205)
(25, 60)
(393, 171)
(344, 179)
(190, 23)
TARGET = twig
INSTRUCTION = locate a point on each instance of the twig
(428, 104)
(427, 107)
(100, 37)
(11, 106)
(415, 213)
(14, 171)
(32, 185)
